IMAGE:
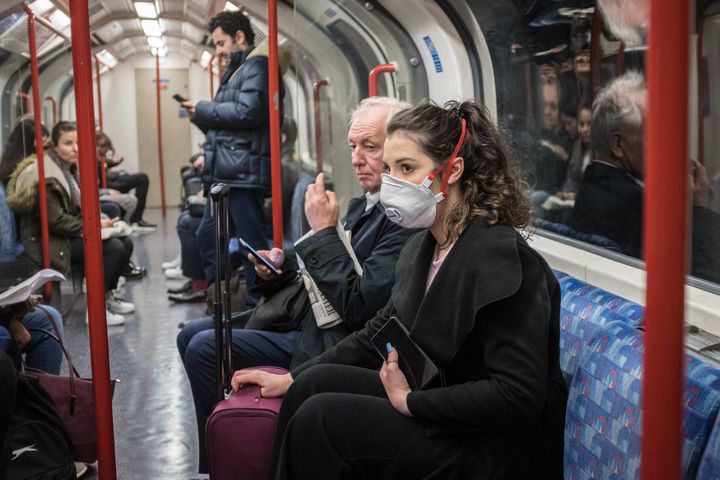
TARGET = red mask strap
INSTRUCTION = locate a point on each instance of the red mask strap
(450, 161)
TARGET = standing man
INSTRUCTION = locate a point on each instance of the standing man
(237, 141)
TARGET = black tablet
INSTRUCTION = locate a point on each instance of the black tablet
(419, 370)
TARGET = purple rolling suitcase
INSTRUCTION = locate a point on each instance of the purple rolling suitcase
(239, 433)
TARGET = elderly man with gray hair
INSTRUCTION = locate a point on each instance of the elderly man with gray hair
(609, 199)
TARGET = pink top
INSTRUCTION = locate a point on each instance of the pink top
(437, 261)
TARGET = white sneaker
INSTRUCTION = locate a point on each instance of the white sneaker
(174, 274)
(120, 285)
(80, 469)
(174, 263)
(112, 319)
(119, 305)
(140, 229)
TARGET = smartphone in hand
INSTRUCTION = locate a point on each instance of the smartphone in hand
(179, 98)
(259, 257)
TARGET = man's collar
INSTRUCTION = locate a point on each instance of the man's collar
(372, 199)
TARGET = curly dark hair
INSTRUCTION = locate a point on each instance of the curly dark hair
(231, 22)
(20, 144)
(491, 184)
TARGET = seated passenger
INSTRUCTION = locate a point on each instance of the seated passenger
(609, 198)
(481, 304)
(17, 325)
(123, 182)
(376, 242)
(64, 217)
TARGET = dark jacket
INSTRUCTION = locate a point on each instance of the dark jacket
(237, 141)
(490, 321)
(376, 242)
(609, 203)
(64, 220)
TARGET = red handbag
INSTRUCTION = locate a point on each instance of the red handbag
(74, 400)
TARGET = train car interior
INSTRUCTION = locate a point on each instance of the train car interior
(538, 67)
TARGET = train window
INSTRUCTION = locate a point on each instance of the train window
(571, 95)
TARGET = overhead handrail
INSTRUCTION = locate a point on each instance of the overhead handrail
(274, 104)
(103, 161)
(82, 74)
(373, 77)
(666, 183)
(26, 98)
(318, 130)
(53, 104)
(39, 150)
(159, 133)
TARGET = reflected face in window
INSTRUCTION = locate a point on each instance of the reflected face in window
(550, 106)
(582, 62)
(103, 145)
(584, 124)
(366, 138)
(67, 147)
(226, 45)
(570, 125)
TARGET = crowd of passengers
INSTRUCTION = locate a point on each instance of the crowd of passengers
(439, 235)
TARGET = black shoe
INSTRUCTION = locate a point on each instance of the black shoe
(191, 297)
(134, 272)
(184, 288)
(144, 224)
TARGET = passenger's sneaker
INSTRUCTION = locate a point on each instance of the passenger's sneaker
(142, 227)
(119, 305)
(174, 263)
(80, 469)
(112, 319)
(174, 274)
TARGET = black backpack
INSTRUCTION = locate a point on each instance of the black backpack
(37, 445)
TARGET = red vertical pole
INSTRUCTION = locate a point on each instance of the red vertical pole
(274, 100)
(82, 73)
(103, 162)
(666, 181)
(620, 60)
(42, 191)
(159, 132)
(318, 130)
(373, 77)
(53, 103)
(212, 78)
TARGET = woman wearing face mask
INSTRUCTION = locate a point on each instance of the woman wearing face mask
(481, 304)
(64, 218)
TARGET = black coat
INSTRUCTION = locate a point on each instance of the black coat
(377, 243)
(490, 321)
(609, 203)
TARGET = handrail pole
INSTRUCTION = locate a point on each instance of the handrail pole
(103, 161)
(373, 77)
(595, 51)
(274, 101)
(212, 78)
(53, 103)
(82, 73)
(666, 181)
(318, 130)
(42, 188)
(159, 133)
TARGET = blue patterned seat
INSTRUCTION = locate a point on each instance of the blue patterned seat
(571, 285)
(710, 463)
(580, 319)
(603, 422)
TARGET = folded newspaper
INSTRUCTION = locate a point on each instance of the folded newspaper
(324, 313)
(22, 291)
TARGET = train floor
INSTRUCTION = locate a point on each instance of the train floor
(154, 420)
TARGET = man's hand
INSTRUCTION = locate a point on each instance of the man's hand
(275, 256)
(321, 206)
(271, 384)
(113, 192)
(395, 383)
(199, 161)
(190, 107)
(700, 184)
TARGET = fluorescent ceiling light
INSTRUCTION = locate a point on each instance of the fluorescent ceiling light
(59, 20)
(151, 28)
(156, 42)
(205, 58)
(41, 6)
(160, 52)
(146, 10)
(231, 7)
(107, 58)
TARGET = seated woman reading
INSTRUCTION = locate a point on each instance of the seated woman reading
(481, 304)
